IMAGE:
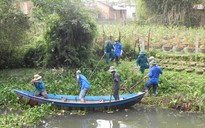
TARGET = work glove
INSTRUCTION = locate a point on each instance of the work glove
(121, 53)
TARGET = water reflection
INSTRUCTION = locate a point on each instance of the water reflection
(110, 124)
(141, 117)
(104, 123)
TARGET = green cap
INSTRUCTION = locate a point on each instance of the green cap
(153, 62)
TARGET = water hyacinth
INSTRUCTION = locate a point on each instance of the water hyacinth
(176, 89)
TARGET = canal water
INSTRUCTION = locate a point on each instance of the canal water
(139, 117)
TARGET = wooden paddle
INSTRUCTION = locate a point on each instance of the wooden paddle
(96, 66)
(136, 84)
(123, 85)
(109, 109)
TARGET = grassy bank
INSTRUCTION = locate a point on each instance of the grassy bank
(178, 90)
(175, 87)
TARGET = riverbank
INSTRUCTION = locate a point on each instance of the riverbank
(178, 90)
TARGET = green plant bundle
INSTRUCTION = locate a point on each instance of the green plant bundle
(27, 118)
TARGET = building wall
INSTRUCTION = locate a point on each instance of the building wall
(111, 14)
(120, 15)
(131, 12)
(104, 10)
(108, 13)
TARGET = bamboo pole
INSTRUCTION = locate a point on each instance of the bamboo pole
(196, 46)
(148, 40)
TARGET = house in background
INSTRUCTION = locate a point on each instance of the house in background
(111, 12)
(131, 11)
(116, 12)
(101, 10)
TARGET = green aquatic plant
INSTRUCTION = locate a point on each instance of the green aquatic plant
(26, 118)
(175, 89)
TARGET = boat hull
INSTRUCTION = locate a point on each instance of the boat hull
(68, 102)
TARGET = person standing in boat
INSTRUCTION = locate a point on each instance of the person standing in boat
(38, 83)
(142, 61)
(116, 80)
(153, 75)
(83, 84)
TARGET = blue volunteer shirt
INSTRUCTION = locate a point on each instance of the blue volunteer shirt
(118, 48)
(84, 83)
(154, 73)
(39, 86)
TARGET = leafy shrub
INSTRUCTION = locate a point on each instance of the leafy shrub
(34, 57)
(13, 27)
(70, 33)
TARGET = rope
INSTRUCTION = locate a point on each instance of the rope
(96, 66)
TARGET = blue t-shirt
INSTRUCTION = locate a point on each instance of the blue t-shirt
(39, 86)
(84, 83)
(118, 48)
(154, 73)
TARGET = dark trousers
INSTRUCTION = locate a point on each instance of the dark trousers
(116, 94)
(148, 85)
(109, 56)
(117, 60)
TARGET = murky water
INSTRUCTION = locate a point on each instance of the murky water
(140, 117)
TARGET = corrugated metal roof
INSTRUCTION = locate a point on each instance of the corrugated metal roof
(118, 8)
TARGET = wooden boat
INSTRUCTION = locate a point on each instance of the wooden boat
(70, 102)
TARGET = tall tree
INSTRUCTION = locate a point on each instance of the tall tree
(70, 32)
(13, 28)
(170, 12)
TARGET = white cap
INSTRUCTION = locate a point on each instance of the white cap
(151, 58)
(112, 68)
(78, 72)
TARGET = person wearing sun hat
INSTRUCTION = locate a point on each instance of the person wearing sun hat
(153, 75)
(116, 80)
(84, 85)
(38, 83)
(151, 58)
(142, 61)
